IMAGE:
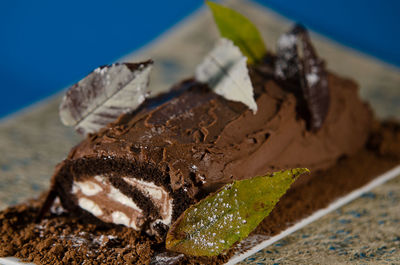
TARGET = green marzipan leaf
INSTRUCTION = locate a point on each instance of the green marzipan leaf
(215, 223)
(240, 30)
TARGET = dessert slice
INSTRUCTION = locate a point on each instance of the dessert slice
(168, 157)
(146, 168)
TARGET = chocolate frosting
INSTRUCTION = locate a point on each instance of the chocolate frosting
(202, 141)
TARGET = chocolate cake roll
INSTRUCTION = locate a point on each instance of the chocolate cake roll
(147, 167)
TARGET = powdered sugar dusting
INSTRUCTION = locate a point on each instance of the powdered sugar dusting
(166, 258)
(286, 65)
(57, 208)
(312, 79)
(214, 224)
(222, 214)
(286, 41)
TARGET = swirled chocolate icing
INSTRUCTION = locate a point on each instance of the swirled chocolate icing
(175, 153)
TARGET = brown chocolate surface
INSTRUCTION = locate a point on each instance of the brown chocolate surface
(201, 134)
(61, 238)
(197, 141)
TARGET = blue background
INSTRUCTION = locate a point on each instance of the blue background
(48, 45)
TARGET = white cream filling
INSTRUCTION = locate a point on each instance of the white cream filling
(90, 206)
(117, 196)
(120, 218)
(89, 191)
(100, 179)
(154, 192)
(88, 188)
(168, 219)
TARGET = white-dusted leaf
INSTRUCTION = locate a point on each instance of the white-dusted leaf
(105, 94)
(225, 71)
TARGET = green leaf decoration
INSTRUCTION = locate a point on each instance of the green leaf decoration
(215, 223)
(240, 30)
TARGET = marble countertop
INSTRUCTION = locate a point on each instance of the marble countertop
(364, 231)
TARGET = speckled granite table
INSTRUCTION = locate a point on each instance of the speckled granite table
(365, 231)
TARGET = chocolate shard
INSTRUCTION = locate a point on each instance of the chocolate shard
(287, 65)
(309, 70)
(105, 94)
(225, 71)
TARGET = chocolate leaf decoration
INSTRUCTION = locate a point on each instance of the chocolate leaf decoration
(105, 94)
(215, 223)
(240, 30)
(316, 89)
(287, 63)
(308, 69)
(225, 71)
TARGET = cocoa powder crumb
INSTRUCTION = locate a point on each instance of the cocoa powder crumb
(63, 239)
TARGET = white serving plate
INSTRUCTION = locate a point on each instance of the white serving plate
(248, 247)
